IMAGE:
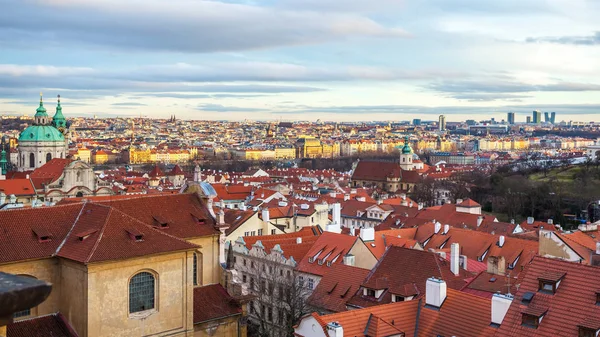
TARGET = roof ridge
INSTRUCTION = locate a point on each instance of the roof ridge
(70, 230)
(97, 243)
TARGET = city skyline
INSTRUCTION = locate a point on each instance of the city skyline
(303, 60)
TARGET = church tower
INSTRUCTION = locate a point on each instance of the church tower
(42, 141)
(406, 156)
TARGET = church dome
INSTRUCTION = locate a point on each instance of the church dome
(41, 133)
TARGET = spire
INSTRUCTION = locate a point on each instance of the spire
(3, 160)
(406, 149)
(59, 121)
(41, 117)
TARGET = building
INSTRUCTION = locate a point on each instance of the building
(442, 123)
(550, 117)
(537, 117)
(593, 151)
(44, 140)
(124, 267)
(528, 120)
(510, 118)
(416, 122)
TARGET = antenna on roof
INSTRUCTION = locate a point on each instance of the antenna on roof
(508, 284)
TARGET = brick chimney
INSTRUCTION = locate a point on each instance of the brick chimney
(496, 265)
(334, 329)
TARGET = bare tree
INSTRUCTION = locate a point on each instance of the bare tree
(280, 295)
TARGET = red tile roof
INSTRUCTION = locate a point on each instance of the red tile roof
(337, 287)
(213, 302)
(49, 172)
(287, 242)
(235, 218)
(17, 187)
(54, 325)
(572, 304)
(402, 267)
(376, 171)
(330, 247)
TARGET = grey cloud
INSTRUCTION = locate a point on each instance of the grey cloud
(128, 104)
(489, 97)
(591, 40)
(199, 96)
(223, 108)
(178, 25)
(501, 86)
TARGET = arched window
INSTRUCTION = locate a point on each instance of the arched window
(48, 157)
(78, 176)
(195, 272)
(142, 291)
(31, 160)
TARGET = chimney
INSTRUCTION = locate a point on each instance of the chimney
(463, 262)
(435, 292)
(454, 258)
(379, 201)
(265, 215)
(459, 201)
(501, 241)
(352, 231)
(437, 227)
(530, 220)
(367, 234)
(298, 240)
(500, 305)
(479, 220)
(346, 197)
(512, 221)
(334, 329)
(336, 213)
(550, 222)
(420, 206)
(496, 265)
(410, 204)
(446, 229)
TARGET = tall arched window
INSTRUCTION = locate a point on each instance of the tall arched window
(195, 272)
(142, 292)
(31, 160)
(48, 157)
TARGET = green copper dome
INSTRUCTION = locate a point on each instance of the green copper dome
(59, 120)
(41, 133)
(406, 149)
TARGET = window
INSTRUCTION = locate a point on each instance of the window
(530, 321)
(142, 290)
(246, 233)
(273, 232)
(48, 157)
(269, 314)
(260, 232)
(547, 286)
(244, 278)
(370, 292)
(253, 233)
(22, 313)
(270, 269)
(195, 272)
(244, 262)
(311, 283)
(31, 160)
(587, 332)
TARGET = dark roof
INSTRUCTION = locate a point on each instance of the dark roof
(213, 302)
(376, 170)
(53, 325)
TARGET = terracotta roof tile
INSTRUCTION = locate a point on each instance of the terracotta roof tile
(333, 246)
(17, 187)
(337, 287)
(571, 305)
(213, 302)
(54, 325)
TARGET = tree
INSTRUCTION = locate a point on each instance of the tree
(280, 295)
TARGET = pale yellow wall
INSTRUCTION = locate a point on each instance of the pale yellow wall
(74, 294)
(210, 258)
(363, 258)
(227, 327)
(45, 269)
(108, 292)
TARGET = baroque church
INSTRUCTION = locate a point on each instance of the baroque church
(44, 140)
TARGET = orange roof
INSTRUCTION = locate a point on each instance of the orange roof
(329, 247)
(17, 187)
(337, 287)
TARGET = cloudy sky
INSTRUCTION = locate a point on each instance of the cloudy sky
(302, 59)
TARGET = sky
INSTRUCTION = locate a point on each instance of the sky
(334, 60)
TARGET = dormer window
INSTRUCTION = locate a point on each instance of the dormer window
(598, 297)
(532, 317)
(549, 281)
(587, 332)
(42, 234)
(161, 222)
(135, 235)
(369, 292)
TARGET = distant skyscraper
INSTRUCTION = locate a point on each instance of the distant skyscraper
(528, 119)
(442, 123)
(417, 121)
(547, 117)
(511, 118)
(537, 117)
(552, 117)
